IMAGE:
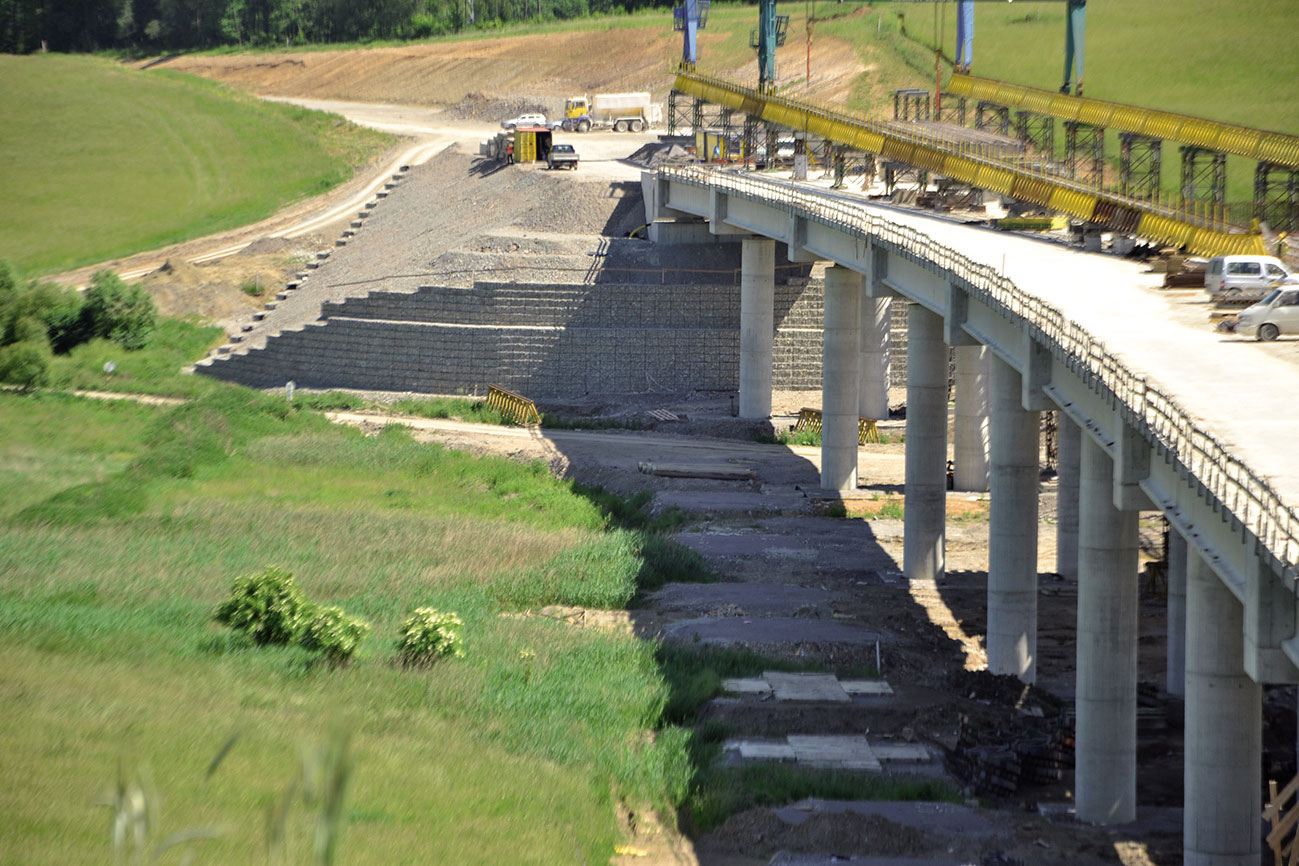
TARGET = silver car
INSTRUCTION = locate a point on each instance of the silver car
(1276, 314)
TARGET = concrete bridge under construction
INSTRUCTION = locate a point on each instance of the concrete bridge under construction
(1154, 418)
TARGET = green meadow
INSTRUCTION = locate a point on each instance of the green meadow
(99, 160)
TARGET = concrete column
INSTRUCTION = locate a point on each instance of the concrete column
(971, 429)
(873, 386)
(1176, 675)
(1105, 757)
(757, 325)
(925, 518)
(1012, 529)
(839, 369)
(1068, 448)
(1224, 729)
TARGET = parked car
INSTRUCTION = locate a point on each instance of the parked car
(561, 156)
(524, 120)
(1237, 275)
(1276, 314)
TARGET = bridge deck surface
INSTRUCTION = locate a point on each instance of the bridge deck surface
(1244, 393)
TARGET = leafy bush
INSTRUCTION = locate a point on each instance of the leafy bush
(429, 634)
(34, 310)
(333, 633)
(26, 364)
(118, 312)
(267, 605)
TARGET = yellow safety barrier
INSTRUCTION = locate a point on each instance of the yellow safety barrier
(810, 420)
(513, 407)
(923, 150)
(1277, 148)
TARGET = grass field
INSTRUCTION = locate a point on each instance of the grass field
(99, 160)
(122, 527)
(107, 648)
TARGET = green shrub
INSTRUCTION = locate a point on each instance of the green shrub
(26, 364)
(118, 312)
(333, 633)
(267, 605)
(429, 634)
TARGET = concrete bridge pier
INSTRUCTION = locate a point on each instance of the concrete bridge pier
(1068, 451)
(971, 430)
(1224, 729)
(925, 518)
(1105, 756)
(839, 378)
(1176, 667)
(1012, 529)
(875, 373)
(757, 325)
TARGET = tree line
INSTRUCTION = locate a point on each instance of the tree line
(27, 26)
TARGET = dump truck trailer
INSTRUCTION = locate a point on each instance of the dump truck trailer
(621, 112)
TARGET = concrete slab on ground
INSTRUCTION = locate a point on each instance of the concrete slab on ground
(757, 599)
(870, 688)
(846, 752)
(746, 686)
(717, 502)
(902, 753)
(821, 688)
(946, 818)
(712, 470)
(768, 630)
(784, 858)
(752, 750)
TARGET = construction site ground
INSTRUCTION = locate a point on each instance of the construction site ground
(816, 586)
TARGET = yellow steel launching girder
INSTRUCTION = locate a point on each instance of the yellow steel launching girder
(1277, 148)
(1120, 213)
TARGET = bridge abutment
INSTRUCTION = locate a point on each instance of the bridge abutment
(1012, 530)
(925, 518)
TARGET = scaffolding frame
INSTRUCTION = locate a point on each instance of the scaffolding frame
(1204, 177)
(990, 115)
(1141, 160)
(951, 110)
(911, 103)
(1084, 152)
(673, 96)
(1276, 197)
(1036, 131)
(750, 132)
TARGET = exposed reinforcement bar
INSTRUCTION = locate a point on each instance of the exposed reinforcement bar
(1114, 212)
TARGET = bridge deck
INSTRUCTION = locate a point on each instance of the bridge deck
(1246, 394)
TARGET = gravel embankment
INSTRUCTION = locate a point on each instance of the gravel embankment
(448, 204)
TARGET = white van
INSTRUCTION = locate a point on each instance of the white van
(1273, 316)
(1236, 275)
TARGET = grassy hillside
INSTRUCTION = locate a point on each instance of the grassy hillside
(99, 161)
(128, 524)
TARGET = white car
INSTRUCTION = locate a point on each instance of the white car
(524, 120)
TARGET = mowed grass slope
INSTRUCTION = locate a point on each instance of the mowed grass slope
(98, 160)
(121, 528)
